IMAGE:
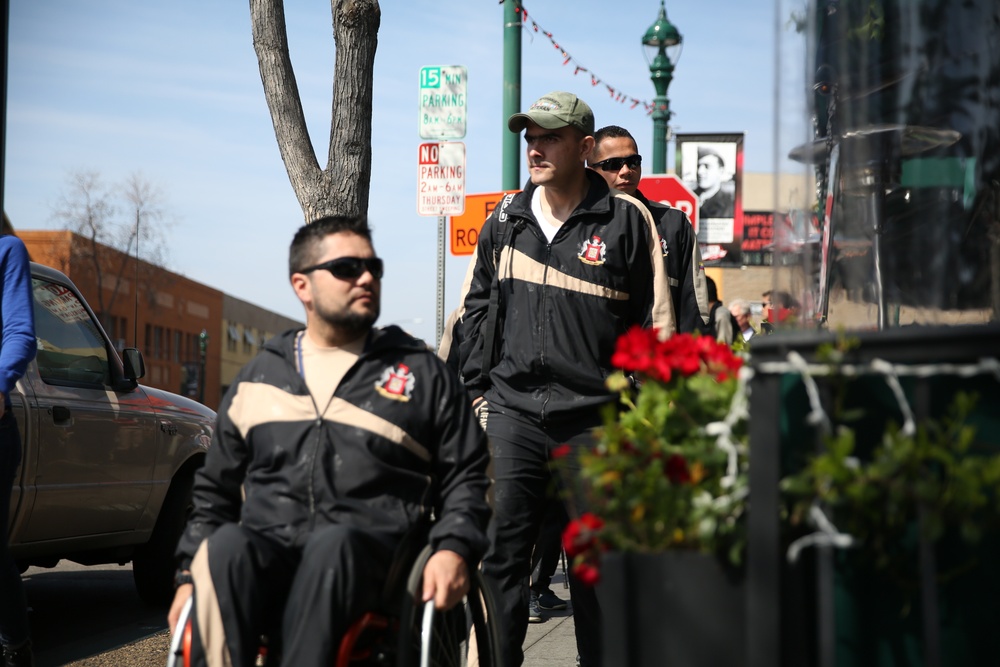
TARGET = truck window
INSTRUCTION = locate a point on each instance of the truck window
(71, 350)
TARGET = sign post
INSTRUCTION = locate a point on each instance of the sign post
(670, 190)
(443, 112)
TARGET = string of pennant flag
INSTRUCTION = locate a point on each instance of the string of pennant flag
(616, 95)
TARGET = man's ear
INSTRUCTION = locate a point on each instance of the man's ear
(587, 147)
(300, 285)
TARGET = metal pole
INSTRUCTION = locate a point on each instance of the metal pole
(660, 119)
(662, 73)
(442, 221)
(511, 93)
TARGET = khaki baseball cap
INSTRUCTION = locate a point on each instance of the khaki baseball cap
(556, 110)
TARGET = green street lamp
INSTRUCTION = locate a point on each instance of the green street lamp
(202, 354)
(663, 45)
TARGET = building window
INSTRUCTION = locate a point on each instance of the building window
(249, 341)
(177, 345)
(158, 343)
(148, 347)
(232, 336)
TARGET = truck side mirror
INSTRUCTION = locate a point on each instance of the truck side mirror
(135, 368)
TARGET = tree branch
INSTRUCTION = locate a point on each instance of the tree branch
(270, 42)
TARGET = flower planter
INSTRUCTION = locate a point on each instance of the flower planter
(943, 615)
(677, 608)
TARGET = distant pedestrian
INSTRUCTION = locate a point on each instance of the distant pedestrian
(720, 319)
(17, 349)
(616, 158)
(740, 308)
(779, 306)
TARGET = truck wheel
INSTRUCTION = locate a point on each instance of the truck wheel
(153, 563)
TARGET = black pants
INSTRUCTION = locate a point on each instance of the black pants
(548, 547)
(310, 594)
(523, 483)
(13, 608)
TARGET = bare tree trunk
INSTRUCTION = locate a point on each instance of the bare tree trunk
(342, 188)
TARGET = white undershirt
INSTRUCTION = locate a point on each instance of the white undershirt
(543, 220)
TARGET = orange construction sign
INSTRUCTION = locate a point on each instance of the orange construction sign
(465, 228)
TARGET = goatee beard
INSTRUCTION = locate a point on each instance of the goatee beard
(352, 325)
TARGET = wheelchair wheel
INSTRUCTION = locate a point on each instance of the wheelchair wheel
(465, 636)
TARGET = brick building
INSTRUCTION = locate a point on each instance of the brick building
(161, 313)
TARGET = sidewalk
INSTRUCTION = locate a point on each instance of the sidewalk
(552, 643)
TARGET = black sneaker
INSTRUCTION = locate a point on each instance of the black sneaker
(534, 613)
(550, 602)
(18, 657)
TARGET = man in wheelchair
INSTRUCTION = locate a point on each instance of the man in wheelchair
(331, 445)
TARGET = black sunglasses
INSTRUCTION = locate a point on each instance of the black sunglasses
(350, 268)
(615, 163)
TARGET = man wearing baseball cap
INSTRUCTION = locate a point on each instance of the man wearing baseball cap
(561, 270)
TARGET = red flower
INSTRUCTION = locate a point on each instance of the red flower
(635, 349)
(676, 470)
(719, 358)
(580, 534)
(587, 573)
(561, 451)
(680, 353)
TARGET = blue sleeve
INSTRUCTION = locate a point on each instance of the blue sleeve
(17, 315)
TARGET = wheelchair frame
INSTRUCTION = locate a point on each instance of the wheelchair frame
(467, 635)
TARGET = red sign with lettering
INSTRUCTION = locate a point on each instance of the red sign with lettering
(670, 190)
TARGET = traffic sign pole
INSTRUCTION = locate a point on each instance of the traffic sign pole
(442, 222)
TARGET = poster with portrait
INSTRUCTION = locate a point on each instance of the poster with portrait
(712, 166)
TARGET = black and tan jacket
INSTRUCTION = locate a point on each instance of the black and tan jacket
(563, 304)
(685, 271)
(398, 443)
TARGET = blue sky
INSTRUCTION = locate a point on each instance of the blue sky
(172, 90)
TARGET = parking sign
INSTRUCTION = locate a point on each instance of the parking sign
(443, 102)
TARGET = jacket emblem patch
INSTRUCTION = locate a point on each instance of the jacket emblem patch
(396, 383)
(593, 252)
(664, 247)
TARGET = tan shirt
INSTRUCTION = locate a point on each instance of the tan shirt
(324, 367)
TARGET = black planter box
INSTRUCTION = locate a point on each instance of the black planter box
(677, 608)
(831, 609)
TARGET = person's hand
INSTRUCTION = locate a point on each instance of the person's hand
(476, 401)
(184, 591)
(446, 579)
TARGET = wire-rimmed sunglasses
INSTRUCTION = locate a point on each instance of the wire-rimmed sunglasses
(350, 268)
(615, 163)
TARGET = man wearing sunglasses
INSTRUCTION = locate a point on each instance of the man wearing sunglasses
(561, 270)
(616, 158)
(332, 445)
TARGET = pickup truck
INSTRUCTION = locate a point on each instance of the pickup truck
(108, 464)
